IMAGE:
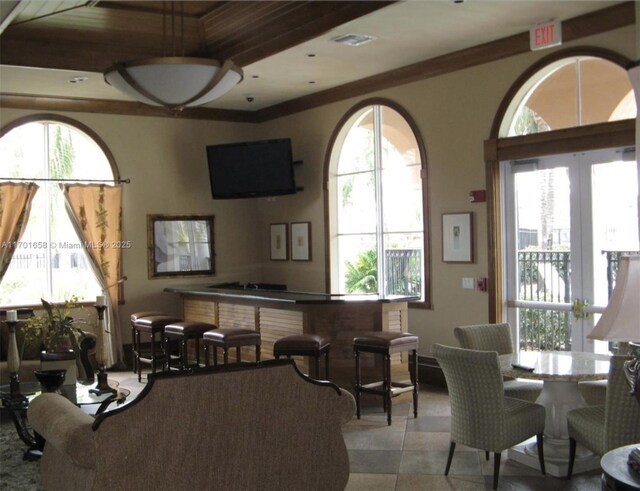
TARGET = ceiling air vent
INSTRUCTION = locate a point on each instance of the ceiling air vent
(353, 39)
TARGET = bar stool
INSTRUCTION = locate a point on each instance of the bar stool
(134, 346)
(386, 344)
(183, 332)
(311, 345)
(152, 325)
(229, 338)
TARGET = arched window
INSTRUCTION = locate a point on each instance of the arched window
(377, 203)
(50, 261)
(570, 92)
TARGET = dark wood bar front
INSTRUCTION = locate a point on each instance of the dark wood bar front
(280, 313)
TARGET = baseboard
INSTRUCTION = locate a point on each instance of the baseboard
(429, 372)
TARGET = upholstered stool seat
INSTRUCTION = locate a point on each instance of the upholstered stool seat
(386, 344)
(134, 346)
(312, 345)
(153, 325)
(183, 332)
(229, 338)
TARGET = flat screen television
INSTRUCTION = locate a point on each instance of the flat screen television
(251, 169)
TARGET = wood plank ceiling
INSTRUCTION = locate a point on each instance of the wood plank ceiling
(91, 37)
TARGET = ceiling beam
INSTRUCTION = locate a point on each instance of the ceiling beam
(125, 108)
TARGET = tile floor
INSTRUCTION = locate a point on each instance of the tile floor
(411, 453)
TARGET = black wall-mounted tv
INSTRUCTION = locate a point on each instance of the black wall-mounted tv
(251, 169)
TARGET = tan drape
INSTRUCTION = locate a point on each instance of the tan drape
(15, 206)
(96, 213)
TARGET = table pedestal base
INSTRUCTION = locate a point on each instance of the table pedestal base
(556, 457)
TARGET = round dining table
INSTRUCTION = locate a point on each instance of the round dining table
(560, 372)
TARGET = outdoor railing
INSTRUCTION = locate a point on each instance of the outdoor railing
(403, 272)
(545, 277)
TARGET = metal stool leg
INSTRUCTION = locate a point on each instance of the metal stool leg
(138, 356)
(326, 364)
(414, 381)
(357, 387)
(388, 387)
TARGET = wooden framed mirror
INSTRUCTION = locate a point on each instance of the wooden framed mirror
(180, 245)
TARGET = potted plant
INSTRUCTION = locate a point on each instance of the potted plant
(57, 335)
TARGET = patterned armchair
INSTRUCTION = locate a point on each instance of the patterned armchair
(481, 417)
(497, 337)
(614, 424)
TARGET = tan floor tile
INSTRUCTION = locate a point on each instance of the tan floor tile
(371, 482)
(413, 482)
(415, 440)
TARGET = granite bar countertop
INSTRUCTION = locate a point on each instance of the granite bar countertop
(285, 296)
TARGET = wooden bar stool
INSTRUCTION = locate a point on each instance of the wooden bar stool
(386, 344)
(134, 344)
(152, 325)
(229, 338)
(311, 345)
(183, 332)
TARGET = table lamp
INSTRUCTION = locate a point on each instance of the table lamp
(621, 319)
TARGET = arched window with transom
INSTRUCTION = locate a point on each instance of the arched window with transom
(570, 92)
(376, 182)
(570, 207)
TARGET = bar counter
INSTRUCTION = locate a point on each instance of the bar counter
(278, 313)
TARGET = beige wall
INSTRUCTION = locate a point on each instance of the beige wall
(454, 113)
(165, 159)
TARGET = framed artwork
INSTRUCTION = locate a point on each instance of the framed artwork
(279, 243)
(301, 241)
(457, 237)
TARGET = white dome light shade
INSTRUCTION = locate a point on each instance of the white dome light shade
(174, 82)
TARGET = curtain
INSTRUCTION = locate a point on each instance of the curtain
(15, 206)
(634, 77)
(96, 214)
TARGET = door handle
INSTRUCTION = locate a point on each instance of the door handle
(579, 309)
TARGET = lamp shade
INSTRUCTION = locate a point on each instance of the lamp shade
(174, 82)
(621, 319)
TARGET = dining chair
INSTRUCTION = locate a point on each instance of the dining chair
(605, 427)
(481, 416)
(497, 337)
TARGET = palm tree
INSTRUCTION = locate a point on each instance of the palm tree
(363, 276)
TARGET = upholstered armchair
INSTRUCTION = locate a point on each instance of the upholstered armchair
(481, 417)
(605, 427)
(497, 337)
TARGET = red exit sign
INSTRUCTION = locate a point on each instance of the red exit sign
(545, 35)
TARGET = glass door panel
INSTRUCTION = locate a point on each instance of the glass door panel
(568, 218)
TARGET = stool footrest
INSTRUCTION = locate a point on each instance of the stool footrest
(397, 388)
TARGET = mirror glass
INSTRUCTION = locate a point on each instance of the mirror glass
(180, 245)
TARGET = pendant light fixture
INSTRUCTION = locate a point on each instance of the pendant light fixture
(174, 82)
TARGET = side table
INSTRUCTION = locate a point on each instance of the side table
(79, 394)
(617, 475)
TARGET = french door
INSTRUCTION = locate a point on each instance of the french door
(567, 219)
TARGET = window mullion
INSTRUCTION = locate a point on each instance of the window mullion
(377, 139)
(47, 221)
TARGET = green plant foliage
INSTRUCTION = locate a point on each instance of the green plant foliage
(55, 329)
(362, 277)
